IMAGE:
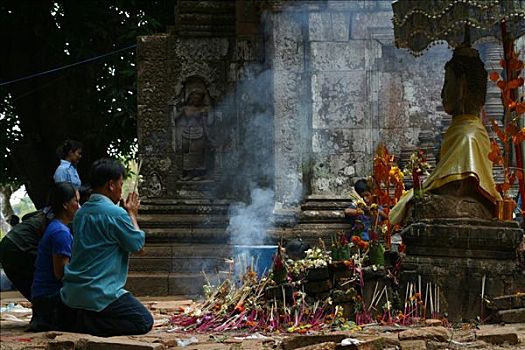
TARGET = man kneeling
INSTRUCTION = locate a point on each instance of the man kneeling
(104, 236)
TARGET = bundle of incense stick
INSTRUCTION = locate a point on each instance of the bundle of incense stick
(432, 293)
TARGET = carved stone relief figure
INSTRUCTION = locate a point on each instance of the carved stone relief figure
(191, 139)
(155, 187)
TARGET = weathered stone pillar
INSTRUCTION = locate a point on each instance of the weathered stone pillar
(291, 113)
(153, 128)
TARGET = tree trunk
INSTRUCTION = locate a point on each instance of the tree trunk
(7, 210)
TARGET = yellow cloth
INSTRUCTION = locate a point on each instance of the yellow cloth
(464, 153)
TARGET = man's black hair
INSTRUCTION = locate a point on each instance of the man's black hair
(361, 186)
(84, 191)
(105, 169)
(13, 220)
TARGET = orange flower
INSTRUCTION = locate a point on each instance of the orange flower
(520, 108)
(348, 263)
(504, 187)
(363, 245)
(520, 136)
(356, 239)
(495, 153)
(494, 76)
(239, 307)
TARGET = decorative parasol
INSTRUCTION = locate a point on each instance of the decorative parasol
(419, 24)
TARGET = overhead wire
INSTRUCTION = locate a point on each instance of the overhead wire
(34, 75)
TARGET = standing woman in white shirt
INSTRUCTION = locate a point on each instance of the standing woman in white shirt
(69, 153)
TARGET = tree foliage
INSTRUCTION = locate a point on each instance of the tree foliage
(93, 102)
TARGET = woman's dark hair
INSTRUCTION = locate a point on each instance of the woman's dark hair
(105, 169)
(68, 146)
(361, 186)
(61, 193)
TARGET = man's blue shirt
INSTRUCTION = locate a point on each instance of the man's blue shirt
(104, 237)
(67, 172)
(56, 240)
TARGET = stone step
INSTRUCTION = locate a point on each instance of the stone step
(464, 238)
(183, 208)
(187, 234)
(179, 264)
(191, 6)
(165, 283)
(176, 257)
(203, 219)
(214, 19)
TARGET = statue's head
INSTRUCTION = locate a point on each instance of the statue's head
(196, 97)
(465, 84)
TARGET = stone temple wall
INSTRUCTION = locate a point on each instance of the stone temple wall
(300, 96)
(293, 99)
(340, 88)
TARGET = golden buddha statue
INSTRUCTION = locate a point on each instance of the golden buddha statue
(462, 184)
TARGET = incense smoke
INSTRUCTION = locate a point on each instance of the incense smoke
(249, 222)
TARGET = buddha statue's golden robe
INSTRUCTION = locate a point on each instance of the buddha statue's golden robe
(464, 153)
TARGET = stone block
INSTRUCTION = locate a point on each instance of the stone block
(246, 50)
(186, 283)
(280, 292)
(168, 307)
(512, 316)
(320, 26)
(292, 343)
(320, 346)
(61, 345)
(426, 333)
(338, 56)
(144, 264)
(390, 340)
(431, 322)
(342, 275)
(152, 47)
(369, 343)
(341, 26)
(413, 345)
(513, 301)
(289, 102)
(353, 5)
(120, 344)
(363, 22)
(328, 26)
(200, 49)
(316, 287)
(88, 342)
(498, 336)
(340, 297)
(141, 284)
(347, 142)
(339, 99)
(463, 237)
(287, 42)
(320, 273)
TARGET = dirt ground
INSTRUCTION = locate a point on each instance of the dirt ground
(14, 335)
